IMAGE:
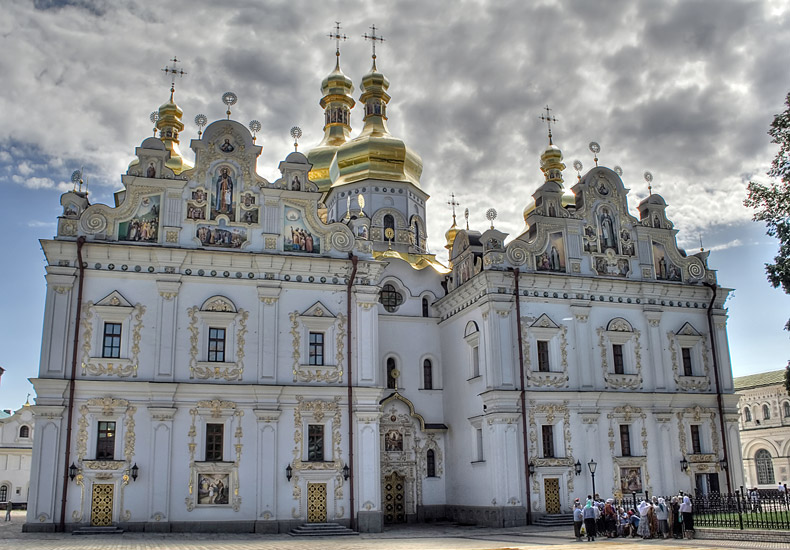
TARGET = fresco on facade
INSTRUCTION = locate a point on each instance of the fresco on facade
(631, 480)
(213, 488)
(221, 235)
(665, 269)
(249, 216)
(607, 231)
(144, 225)
(393, 441)
(222, 194)
(195, 212)
(297, 237)
(553, 259)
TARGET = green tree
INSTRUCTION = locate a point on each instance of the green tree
(772, 202)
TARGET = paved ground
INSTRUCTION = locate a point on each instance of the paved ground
(416, 537)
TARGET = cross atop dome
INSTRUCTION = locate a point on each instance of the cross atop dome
(173, 71)
(548, 119)
(337, 37)
(373, 39)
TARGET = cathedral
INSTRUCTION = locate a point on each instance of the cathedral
(223, 352)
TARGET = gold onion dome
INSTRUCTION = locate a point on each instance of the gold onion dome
(552, 166)
(337, 104)
(450, 235)
(169, 125)
(375, 153)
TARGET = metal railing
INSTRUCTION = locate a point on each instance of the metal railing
(762, 509)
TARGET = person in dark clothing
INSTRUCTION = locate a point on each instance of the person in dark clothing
(677, 520)
(589, 520)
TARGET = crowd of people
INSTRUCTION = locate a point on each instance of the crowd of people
(653, 518)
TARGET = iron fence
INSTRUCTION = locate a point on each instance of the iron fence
(759, 510)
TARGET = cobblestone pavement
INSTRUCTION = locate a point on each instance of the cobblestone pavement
(443, 536)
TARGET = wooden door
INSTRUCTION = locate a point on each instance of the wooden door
(551, 491)
(316, 502)
(394, 498)
(101, 504)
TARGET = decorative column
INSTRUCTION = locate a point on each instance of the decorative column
(506, 454)
(167, 319)
(584, 351)
(499, 345)
(268, 308)
(367, 473)
(665, 460)
(723, 349)
(655, 377)
(47, 465)
(58, 322)
(159, 465)
(269, 470)
(366, 338)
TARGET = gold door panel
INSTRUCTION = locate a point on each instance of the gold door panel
(316, 502)
(101, 504)
(551, 490)
(394, 499)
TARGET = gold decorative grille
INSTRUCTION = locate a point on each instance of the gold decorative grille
(394, 499)
(101, 504)
(551, 489)
(316, 502)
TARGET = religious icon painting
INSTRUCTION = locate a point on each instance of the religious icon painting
(607, 229)
(393, 441)
(144, 224)
(213, 489)
(71, 210)
(631, 479)
(553, 259)
(247, 200)
(221, 236)
(249, 216)
(199, 195)
(195, 211)
(665, 269)
(297, 236)
(226, 146)
(222, 197)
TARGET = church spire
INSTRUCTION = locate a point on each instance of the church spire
(169, 122)
(374, 93)
(551, 160)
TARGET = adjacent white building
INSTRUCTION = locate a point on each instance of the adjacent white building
(234, 340)
(16, 449)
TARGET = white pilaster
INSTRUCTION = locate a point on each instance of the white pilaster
(160, 461)
(655, 374)
(167, 320)
(267, 466)
(268, 309)
(584, 351)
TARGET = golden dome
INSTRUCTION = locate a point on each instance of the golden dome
(450, 235)
(375, 153)
(568, 199)
(337, 104)
(169, 125)
(551, 163)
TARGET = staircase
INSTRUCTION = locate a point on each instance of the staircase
(321, 530)
(555, 520)
(108, 530)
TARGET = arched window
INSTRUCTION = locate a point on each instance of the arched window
(787, 409)
(430, 463)
(3, 493)
(391, 372)
(416, 234)
(390, 298)
(766, 413)
(765, 468)
(427, 374)
(24, 432)
(747, 415)
(425, 313)
(389, 223)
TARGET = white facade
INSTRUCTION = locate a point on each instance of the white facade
(222, 315)
(16, 449)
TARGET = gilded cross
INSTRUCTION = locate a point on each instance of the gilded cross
(174, 71)
(373, 39)
(453, 203)
(548, 119)
(337, 37)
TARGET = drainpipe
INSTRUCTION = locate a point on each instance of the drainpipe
(523, 396)
(718, 384)
(70, 415)
(354, 261)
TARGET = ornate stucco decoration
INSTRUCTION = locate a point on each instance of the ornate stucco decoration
(114, 308)
(699, 415)
(319, 412)
(102, 220)
(334, 236)
(318, 318)
(217, 312)
(544, 329)
(549, 413)
(122, 412)
(688, 337)
(620, 332)
(222, 412)
(627, 414)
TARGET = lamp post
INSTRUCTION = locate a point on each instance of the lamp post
(592, 465)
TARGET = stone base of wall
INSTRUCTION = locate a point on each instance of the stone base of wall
(431, 513)
(488, 516)
(369, 522)
(746, 535)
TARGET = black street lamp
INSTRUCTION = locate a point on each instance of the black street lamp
(135, 470)
(684, 464)
(346, 472)
(592, 465)
(532, 468)
(288, 472)
(73, 471)
(578, 467)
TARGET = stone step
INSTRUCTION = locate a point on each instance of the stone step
(106, 530)
(321, 530)
(555, 520)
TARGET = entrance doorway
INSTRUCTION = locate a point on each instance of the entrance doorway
(706, 483)
(551, 492)
(394, 498)
(101, 504)
(316, 502)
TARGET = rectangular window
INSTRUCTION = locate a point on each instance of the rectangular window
(316, 348)
(216, 345)
(214, 437)
(617, 355)
(112, 340)
(479, 444)
(475, 361)
(543, 356)
(686, 353)
(105, 444)
(315, 442)
(696, 444)
(548, 441)
(625, 440)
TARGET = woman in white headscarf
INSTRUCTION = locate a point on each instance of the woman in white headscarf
(644, 521)
(688, 517)
(662, 514)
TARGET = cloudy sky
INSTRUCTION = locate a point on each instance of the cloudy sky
(684, 89)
